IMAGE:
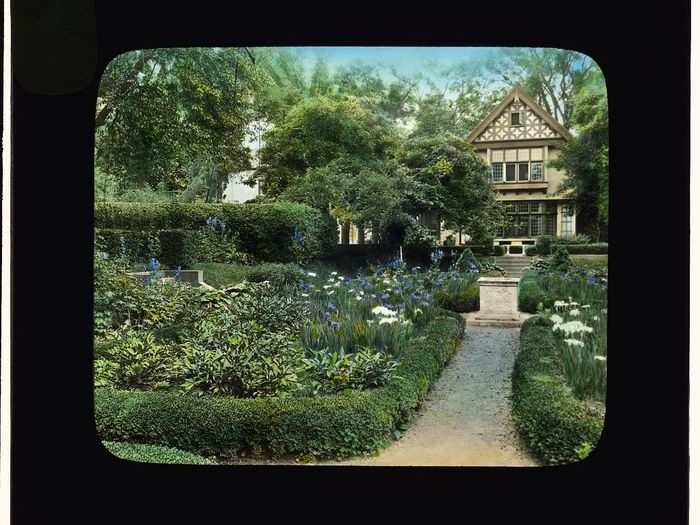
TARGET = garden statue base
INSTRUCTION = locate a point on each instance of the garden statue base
(498, 303)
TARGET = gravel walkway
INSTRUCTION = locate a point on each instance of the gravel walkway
(466, 419)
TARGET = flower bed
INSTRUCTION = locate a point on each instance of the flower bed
(341, 425)
(557, 426)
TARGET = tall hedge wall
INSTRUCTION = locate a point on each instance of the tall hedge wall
(558, 427)
(334, 426)
(264, 230)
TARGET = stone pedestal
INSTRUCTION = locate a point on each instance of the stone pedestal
(498, 299)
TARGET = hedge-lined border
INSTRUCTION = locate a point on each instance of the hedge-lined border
(531, 294)
(553, 422)
(343, 425)
(263, 230)
(599, 248)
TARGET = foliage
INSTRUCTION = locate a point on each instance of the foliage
(265, 231)
(557, 426)
(333, 372)
(342, 425)
(585, 158)
(133, 359)
(459, 178)
(153, 454)
(460, 295)
(279, 275)
(157, 109)
(560, 260)
(531, 297)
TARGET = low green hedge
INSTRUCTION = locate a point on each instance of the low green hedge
(264, 230)
(153, 454)
(599, 248)
(464, 299)
(172, 248)
(558, 427)
(530, 295)
(342, 425)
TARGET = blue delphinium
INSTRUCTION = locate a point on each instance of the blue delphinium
(153, 265)
(177, 273)
(298, 236)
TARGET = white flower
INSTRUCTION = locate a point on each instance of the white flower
(573, 342)
(383, 311)
(387, 281)
(595, 318)
(341, 278)
(604, 311)
(417, 311)
(574, 313)
(600, 358)
(311, 274)
(556, 319)
(560, 304)
(572, 327)
(585, 306)
(388, 320)
(370, 321)
(331, 292)
(337, 285)
(304, 295)
(362, 292)
(334, 273)
(326, 286)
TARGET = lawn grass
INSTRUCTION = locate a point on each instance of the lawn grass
(220, 275)
(592, 262)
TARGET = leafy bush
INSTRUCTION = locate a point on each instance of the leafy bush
(531, 297)
(279, 232)
(154, 454)
(459, 295)
(466, 262)
(133, 359)
(560, 260)
(531, 250)
(277, 274)
(558, 427)
(332, 372)
(498, 251)
(342, 425)
(543, 244)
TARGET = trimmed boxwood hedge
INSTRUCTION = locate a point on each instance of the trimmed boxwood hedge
(153, 454)
(598, 248)
(557, 426)
(264, 230)
(336, 426)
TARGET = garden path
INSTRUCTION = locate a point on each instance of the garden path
(466, 417)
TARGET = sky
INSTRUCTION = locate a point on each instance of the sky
(406, 60)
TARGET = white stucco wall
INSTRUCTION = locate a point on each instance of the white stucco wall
(236, 191)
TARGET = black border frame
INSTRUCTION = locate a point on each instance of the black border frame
(60, 472)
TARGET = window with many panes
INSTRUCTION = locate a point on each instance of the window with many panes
(529, 219)
(520, 166)
(536, 171)
(497, 172)
(567, 221)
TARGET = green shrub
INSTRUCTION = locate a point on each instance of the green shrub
(276, 273)
(557, 427)
(154, 454)
(543, 244)
(600, 248)
(459, 296)
(279, 232)
(498, 251)
(560, 260)
(531, 250)
(341, 425)
(531, 295)
(332, 372)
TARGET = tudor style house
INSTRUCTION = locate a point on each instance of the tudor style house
(517, 139)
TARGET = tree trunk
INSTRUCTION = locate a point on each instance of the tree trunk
(360, 233)
(345, 233)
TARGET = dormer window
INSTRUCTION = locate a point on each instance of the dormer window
(515, 119)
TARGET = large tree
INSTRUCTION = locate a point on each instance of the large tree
(463, 197)
(158, 111)
(315, 132)
(585, 158)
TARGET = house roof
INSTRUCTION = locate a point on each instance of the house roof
(517, 92)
